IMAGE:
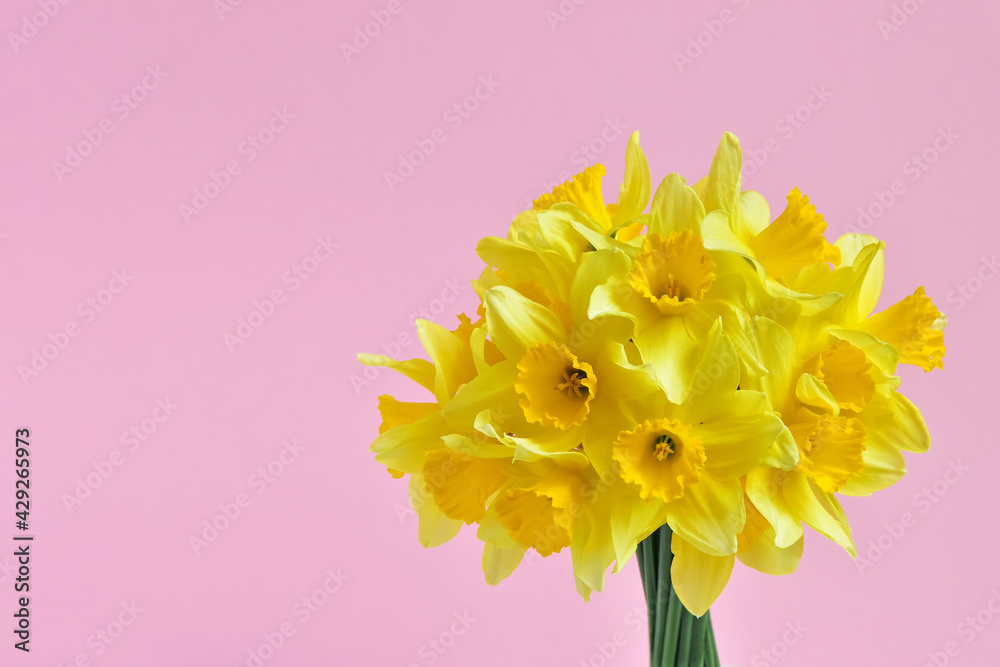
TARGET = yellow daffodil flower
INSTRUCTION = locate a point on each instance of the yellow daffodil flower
(675, 289)
(685, 462)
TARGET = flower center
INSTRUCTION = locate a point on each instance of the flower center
(555, 386)
(572, 382)
(663, 446)
(662, 457)
(673, 272)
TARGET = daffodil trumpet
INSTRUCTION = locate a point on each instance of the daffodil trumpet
(677, 375)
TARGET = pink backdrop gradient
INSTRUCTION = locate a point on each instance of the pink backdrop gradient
(561, 76)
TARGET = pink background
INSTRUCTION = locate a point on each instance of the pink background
(332, 508)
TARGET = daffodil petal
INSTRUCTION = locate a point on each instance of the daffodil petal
(783, 453)
(669, 349)
(560, 234)
(452, 358)
(397, 413)
(870, 289)
(709, 515)
(492, 389)
(811, 391)
(477, 344)
(499, 563)
(779, 354)
(900, 420)
(404, 447)
(420, 371)
(717, 234)
(884, 465)
(551, 443)
(734, 445)
(697, 577)
(635, 189)
(765, 556)
(820, 510)
(716, 376)
(721, 189)
(756, 212)
(765, 488)
(480, 447)
(434, 528)
(549, 268)
(594, 270)
(602, 240)
(516, 323)
(676, 207)
(592, 548)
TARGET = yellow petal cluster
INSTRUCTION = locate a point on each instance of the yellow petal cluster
(677, 357)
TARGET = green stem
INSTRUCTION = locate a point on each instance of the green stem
(677, 638)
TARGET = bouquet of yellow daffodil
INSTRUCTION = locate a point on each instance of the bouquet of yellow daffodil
(689, 383)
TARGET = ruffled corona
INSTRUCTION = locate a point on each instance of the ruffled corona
(831, 449)
(914, 326)
(662, 457)
(795, 239)
(845, 370)
(556, 387)
(541, 516)
(674, 272)
(583, 190)
(460, 484)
